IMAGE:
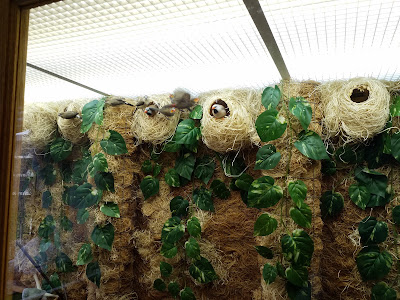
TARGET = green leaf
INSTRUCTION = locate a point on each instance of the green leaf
(85, 255)
(46, 199)
(395, 145)
(220, 190)
(204, 169)
(297, 248)
(396, 215)
(265, 252)
(298, 192)
(64, 263)
(104, 181)
(232, 165)
(202, 271)
(99, 163)
(46, 227)
(32, 293)
(48, 173)
(374, 152)
(263, 193)
(244, 182)
(280, 269)
(395, 107)
(149, 186)
(82, 215)
(92, 112)
(103, 236)
(196, 113)
(298, 293)
(375, 182)
(297, 275)
(172, 146)
(381, 291)
(184, 165)
(373, 264)
(110, 209)
(328, 167)
(187, 133)
(350, 154)
(60, 149)
(157, 169)
(93, 273)
(172, 231)
(66, 223)
(376, 200)
(192, 248)
(202, 198)
(159, 285)
(267, 158)
(179, 207)
(301, 109)
(194, 227)
(84, 196)
(360, 195)
(147, 167)
(55, 281)
(44, 245)
(172, 178)
(301, 215)
(80, 170)
(372, 231)
(165, 269)
(187, 294)
(269, 273)
(114, 145)
(270, 126)
(168, 250)
(173, 289)
(331, 204)
(265, 225)
(270, 97)
(310, 145)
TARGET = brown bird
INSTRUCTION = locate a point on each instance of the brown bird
(166, 111)
(151, 110)
(142, 103)
(69, 115)
(181, 100)
(114, 101)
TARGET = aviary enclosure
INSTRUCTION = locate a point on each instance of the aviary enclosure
(288, 191)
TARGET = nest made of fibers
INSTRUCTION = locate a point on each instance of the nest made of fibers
(158, 128)
(235, 131)
(70, 129)
(351, 120)
(40, 119)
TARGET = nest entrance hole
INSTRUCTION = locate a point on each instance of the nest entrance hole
(359, 96)
(221, 102)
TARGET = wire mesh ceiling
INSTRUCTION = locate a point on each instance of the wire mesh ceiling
(127, 47)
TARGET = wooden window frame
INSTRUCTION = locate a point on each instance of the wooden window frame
(14, 22)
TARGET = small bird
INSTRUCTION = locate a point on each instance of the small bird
(218, 111)
(182, 100)
(69, 115)
(142, 103)
(114, 101)
(152, 110)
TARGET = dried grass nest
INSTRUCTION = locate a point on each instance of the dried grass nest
(356, 109)
(236, 130)
(158, 128)
(70, 129)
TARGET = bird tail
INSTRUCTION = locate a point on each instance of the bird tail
(78, 116)
(128, 103)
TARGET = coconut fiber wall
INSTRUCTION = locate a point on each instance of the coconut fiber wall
(123, 204)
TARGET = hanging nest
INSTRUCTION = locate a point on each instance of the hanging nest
(70, 129)
(155, 129)
(236, 130)
(40, 119)
(356, 109)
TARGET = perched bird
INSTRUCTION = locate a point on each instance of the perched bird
(152, 110)
(182, 100)
(142, 103)
(218, 111)
(114, 101)
(69, 115)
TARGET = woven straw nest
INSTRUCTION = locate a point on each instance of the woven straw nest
(236, 130)
(70, 129)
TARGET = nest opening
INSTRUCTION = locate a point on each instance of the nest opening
(359, 95)
(220, 102)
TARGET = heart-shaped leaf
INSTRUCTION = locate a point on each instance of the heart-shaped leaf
(173, 289)
(172, 230)
(114, 145)
(265, 225)
(202, 271)
(192, 248)
(301, 215)
(85, 255)
(381, 291)
(110, 209)
(159, 285)
(172, 178)
(204, 168)
(396, 215)
(350, 154)
(297, 248)
(84, 196)
(103, 236)
(219, 189)
(360, 195)
(202, 198)
(60, 149)
(179, 207)
(80, 170)
(184, 165)
(92, 112)
(298, 192)
(99, 163)
(269, 273)
(168, 250)
(48, 174)
(244, 181)
(187, 294)
(66, 223)
(395, 145)
(270, 97)
(310, 145)
(82, 215)
(46, 199)
(373, 264)
(196, 113)
(375, 182)
(328, 167)
(93, 273)
(104, 181)
(149, 186)
(264, 252)
(64, 263)
(165, 269)
(147, 167)
(297, 275)
(46, 227)
(331, 204)
(270, 126)
(232, 165)
(267, 158)
(372, 231)
(263, 193)
(395, 107)
(298, 293)
(301, 109)
(194, 227)
(187, 133)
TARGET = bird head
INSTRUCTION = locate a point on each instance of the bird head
(218, 111)
(196, 100)
(171, 96)
(148, 111)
